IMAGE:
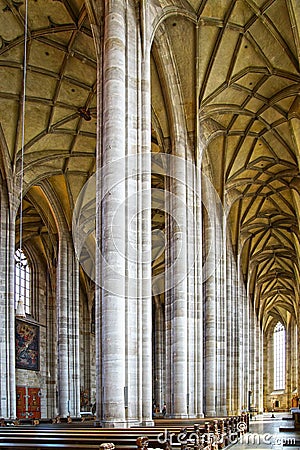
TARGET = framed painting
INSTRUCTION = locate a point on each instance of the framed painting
(27, 345)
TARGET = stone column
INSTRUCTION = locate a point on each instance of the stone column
(255, 362)
(221, 250)
(293, 356)
(124, 303)
(179, 301)
(86, 344)
(229, 321)
(240, 336)
(52, 359)
(159, 353)
(200, 145)
(259, 369)
(289, 362)
(210, 367)
(194, 292)
(177, 297)
(246, 328)
(298, 364)
(168, 310)
(7, 306)
(145, 286)
(270, 361)
(294, 123)
(68, 328)
(296, 356)
(179, 287)
(265, 376)
(252, 355)
(112, 338)
(199, 338)
(235, 341)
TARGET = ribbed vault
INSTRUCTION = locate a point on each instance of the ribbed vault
(236, 66)
(238, 69)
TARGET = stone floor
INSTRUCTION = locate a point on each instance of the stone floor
(264, 433)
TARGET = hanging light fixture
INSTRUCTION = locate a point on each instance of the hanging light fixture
(20, 310)
(20, 272)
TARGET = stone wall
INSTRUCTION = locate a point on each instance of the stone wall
(33, 378)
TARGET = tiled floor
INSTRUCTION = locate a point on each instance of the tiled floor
(265, 434)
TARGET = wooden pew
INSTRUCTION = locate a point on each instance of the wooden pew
(212, 434)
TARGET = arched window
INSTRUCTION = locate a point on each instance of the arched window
(279, 356)
(22, 280)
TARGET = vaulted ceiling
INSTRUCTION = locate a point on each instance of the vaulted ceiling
(236, 67)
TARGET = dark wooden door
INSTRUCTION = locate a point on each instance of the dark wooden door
(28, 402)
(21, 402)
(34, 403)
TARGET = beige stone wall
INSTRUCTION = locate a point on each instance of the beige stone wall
(31, 378)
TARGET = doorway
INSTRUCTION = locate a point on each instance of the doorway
(28, 402)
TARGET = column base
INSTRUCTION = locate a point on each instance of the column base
(179, 416)
(222, 412)
(116, 424)
(125, 424)
(147, 423)
(210, 413)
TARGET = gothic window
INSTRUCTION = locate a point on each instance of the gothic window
(22, 280)
(279, 356)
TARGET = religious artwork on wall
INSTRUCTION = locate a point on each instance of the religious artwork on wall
(27, 345)
(84, 398)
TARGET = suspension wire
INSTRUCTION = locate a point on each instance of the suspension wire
(20, 309)
(23, 123)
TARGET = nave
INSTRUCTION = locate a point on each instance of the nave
(149, 208)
